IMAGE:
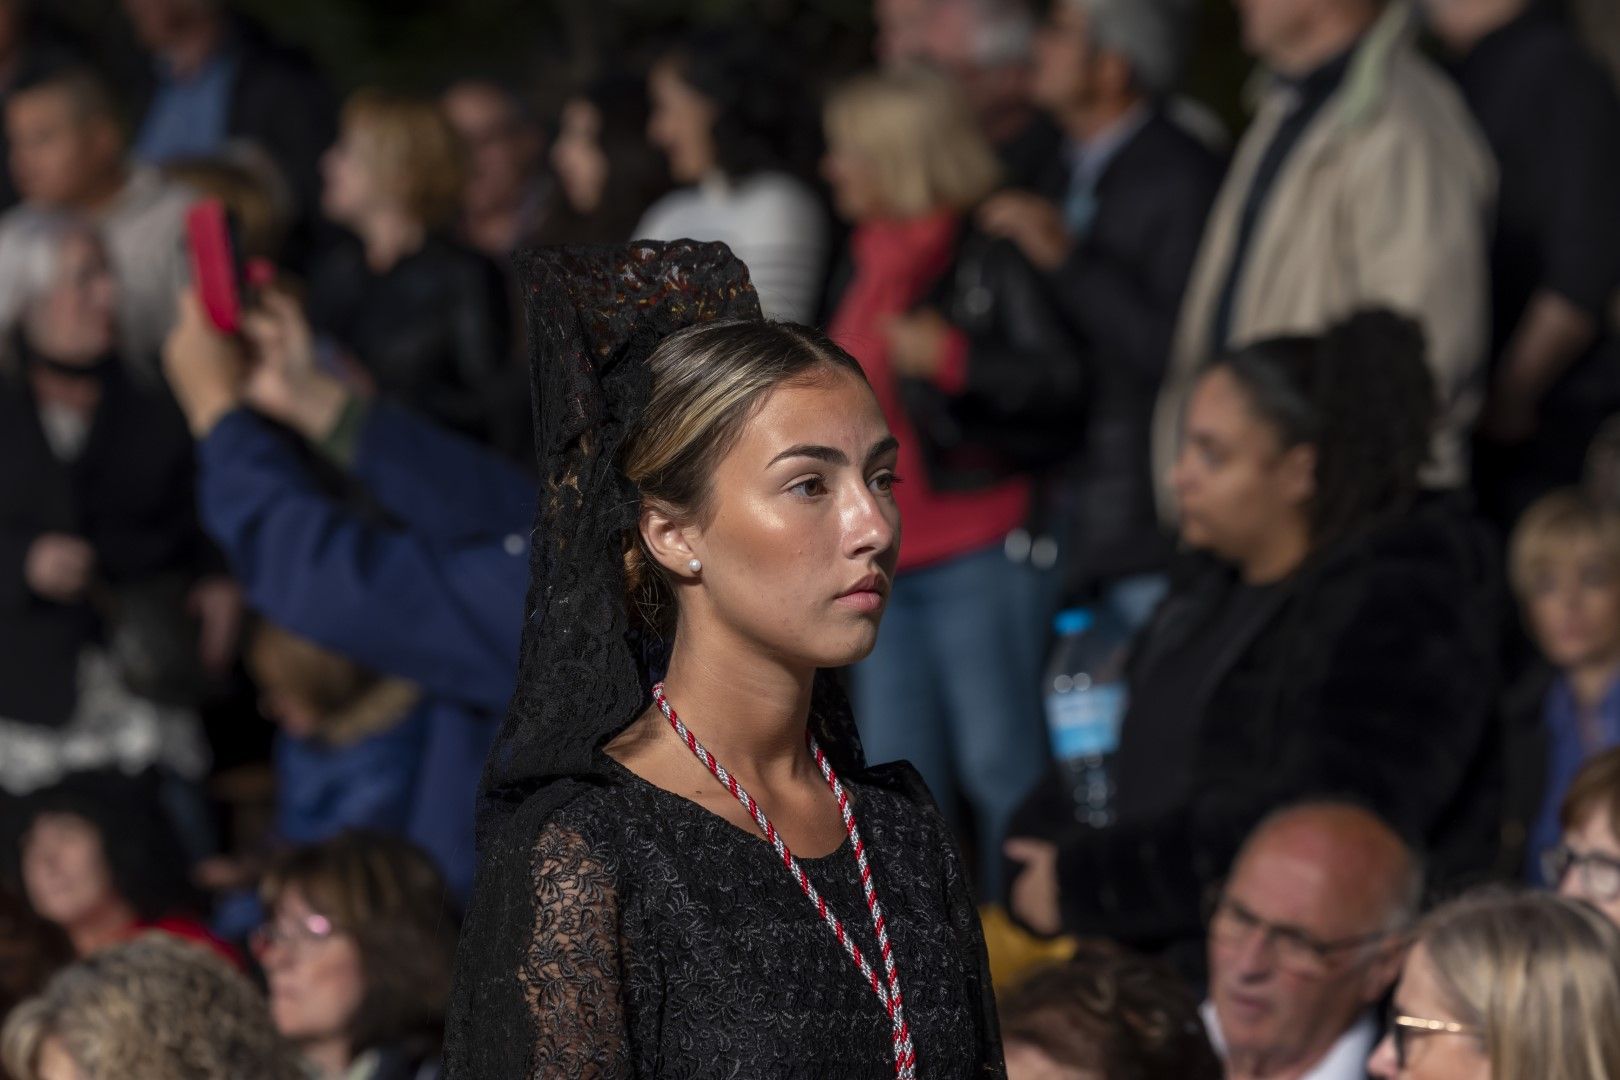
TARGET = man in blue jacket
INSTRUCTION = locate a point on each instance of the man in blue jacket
(436, 599)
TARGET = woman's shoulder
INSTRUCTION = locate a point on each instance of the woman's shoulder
(774, 194)
(669, 217)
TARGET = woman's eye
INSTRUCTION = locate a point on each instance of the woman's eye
(809, 487)
(883, 483)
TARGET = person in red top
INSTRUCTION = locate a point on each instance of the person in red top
(982, 385)
(97, 856)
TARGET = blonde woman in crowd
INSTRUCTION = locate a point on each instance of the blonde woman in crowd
(982, 383)
(417, 314)
(155, 1008)
(1505, 986)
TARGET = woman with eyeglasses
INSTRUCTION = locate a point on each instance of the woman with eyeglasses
(1507, 986)
(1586, 864)
(357, 954)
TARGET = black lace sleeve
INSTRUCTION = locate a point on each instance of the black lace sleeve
(570, 971)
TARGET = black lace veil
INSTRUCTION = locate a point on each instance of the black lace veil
(593, 317)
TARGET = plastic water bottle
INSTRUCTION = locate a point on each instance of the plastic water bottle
(1085, 703)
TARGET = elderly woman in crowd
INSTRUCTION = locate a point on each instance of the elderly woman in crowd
(102, 561)
(151, 1009)
(1507, 987)
(358, 953)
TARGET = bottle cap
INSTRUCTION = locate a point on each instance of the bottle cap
(1073, 621)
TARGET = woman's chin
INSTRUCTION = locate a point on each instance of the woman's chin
(852, 649)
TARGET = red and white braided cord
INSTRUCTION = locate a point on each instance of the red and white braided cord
(905, 1056)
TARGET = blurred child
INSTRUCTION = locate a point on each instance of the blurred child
(1565, 567)
(348, 748)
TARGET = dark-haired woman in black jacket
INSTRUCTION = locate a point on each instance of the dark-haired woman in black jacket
(1330, 635)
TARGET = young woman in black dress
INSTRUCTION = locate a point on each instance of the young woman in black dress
(701, 877)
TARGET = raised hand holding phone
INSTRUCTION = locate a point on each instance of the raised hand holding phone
(284, 381)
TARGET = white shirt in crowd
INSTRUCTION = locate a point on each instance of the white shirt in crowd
(1346, 1060)
(772, 222)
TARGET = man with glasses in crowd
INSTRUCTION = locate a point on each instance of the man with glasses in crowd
(1305, 939)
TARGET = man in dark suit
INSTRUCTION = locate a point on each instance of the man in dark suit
(1116, 227)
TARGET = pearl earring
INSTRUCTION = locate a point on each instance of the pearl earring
(696, 566)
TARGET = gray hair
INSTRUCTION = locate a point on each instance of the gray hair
(1150, 34)
(31, 259)
(1003, 31)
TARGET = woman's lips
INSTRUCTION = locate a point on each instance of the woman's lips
(863, 600)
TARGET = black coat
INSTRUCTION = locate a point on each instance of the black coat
(1020, 409)
(130, 494)
(1372, 677)
(1120, 291)
(434, 332)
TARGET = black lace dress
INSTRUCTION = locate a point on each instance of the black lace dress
(671, 943)
(621, 931)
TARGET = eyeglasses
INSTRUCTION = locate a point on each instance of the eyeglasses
(1402, 1028)
(1296, 950)
(1600, 874)
(294, 933)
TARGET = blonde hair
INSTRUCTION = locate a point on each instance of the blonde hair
(707, 383)
(409, 144)
(1538, 975)
(920, 137)
(156, 1008)
(1547, 528)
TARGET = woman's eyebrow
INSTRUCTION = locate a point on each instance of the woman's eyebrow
(829, 454)
(883, 446)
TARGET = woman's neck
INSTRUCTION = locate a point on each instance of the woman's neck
(750, 711)
(109, 924)
(1590, 682)
(329, 1058)
(65, 391)
(1284, 550)
(390, 236)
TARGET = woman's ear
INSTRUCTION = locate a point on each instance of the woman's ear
(669, 540)
(1298, 473)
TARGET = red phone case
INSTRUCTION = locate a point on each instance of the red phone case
(213, 264)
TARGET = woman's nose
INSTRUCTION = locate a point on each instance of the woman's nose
(1382, 1063)
(868, 527)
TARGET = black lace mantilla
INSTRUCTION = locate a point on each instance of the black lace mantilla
(618, 930)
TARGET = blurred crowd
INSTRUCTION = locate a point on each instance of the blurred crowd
(1322, 412)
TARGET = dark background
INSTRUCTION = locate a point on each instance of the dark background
(543, 46)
